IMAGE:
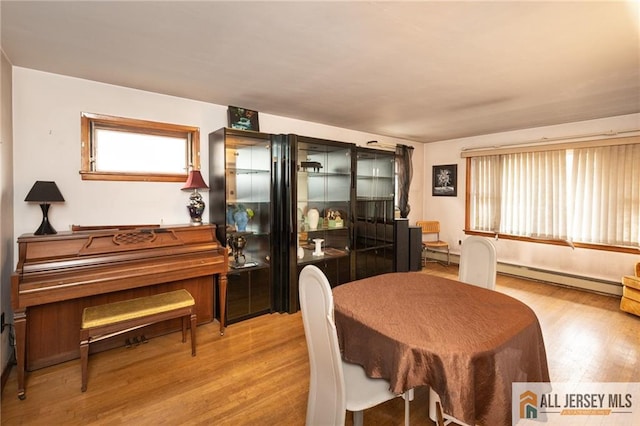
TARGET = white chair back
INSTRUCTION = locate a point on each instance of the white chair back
(335, 386)
(327, 395)
(478, 262)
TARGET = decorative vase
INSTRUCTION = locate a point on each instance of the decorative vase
(195, 207)
(230, 219)
(241, 218)
(314, 216)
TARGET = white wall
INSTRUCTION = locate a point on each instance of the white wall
(6, 205)
(450, 211)
(47, 111)
(46, 124)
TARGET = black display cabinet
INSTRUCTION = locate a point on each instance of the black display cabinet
(240, 204)
(283, 182)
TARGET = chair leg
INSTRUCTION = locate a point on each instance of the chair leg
(406, 412)
(439, 418)
(436, 414)
(408, 397)
(84, 363)
(358, 418)
(193, 334)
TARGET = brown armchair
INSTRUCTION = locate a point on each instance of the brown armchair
(630, 301)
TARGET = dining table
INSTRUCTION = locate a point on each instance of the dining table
(468, 343)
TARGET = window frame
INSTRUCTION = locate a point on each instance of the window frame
(89, 120)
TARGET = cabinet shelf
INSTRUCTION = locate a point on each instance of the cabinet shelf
(365, 199)
(249, 265)
(326, 228)
(329, 253)
(325, 174)
(375, 177)
(319, 200)
(247, 171)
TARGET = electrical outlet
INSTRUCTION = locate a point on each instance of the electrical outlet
(2, 322)
(459, 242)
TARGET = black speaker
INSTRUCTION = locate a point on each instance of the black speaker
(401, 231)
(415, 248)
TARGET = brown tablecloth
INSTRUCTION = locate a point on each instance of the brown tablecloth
(468, 343)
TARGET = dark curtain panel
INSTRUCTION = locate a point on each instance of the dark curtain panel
(405, 173)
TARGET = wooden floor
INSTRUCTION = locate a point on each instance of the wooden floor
(257, 374)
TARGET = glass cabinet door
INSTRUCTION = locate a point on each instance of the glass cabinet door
(375, 208)
(323, 206)
(240, 206)
(376, 175)
(248, 189)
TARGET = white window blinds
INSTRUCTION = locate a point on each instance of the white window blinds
(585, 195)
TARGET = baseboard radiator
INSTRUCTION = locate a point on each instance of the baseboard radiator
(596, 285)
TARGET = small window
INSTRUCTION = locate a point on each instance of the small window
(126, 149)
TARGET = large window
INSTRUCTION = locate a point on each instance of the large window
(115, 148)
(585, 195)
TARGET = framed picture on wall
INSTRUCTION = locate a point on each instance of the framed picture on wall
(243, 119)
(445, 180)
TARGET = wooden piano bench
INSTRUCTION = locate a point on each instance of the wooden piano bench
(104, 321)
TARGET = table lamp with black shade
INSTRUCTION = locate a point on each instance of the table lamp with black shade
(44, 192)
(196, 203)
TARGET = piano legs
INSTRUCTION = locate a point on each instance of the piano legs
(20, 324)
(222, 288)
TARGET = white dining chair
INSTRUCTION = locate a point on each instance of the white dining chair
(478, 262)
(335, 386)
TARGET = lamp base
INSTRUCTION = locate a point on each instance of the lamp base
(45, 227)
(196, 208)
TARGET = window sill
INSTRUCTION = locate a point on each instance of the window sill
(115, 176)
(591, 246)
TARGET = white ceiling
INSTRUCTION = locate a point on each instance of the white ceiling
(421, 71)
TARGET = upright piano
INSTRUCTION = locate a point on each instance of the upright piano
(57, 276)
